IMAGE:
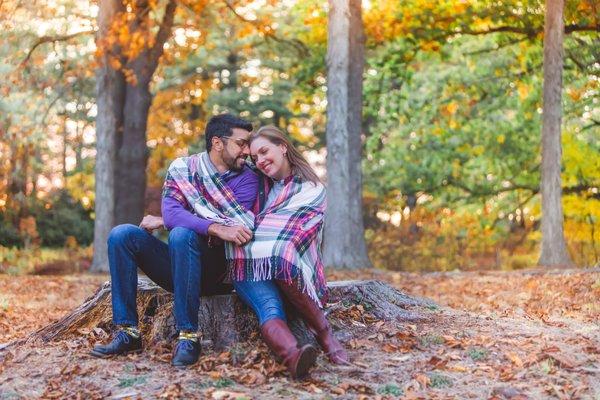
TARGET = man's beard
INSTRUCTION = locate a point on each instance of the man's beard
(232, 163)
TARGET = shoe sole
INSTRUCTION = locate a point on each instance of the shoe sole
(183, 366)
(306, 361)
(102, 355)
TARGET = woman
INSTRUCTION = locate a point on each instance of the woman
(284, 253)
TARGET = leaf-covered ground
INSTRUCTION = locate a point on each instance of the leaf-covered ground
(495, 335)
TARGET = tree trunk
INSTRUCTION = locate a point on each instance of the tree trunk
(132, 156)
(224, 319)
(63, 155)
(344, 244)
(110, 90)
(554, 249)
(121, 131)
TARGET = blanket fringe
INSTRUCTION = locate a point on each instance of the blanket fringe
(274, 267)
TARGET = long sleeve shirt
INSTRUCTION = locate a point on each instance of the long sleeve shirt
(176, 211)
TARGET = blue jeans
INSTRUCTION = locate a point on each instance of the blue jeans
(186, 266)
(263, 297)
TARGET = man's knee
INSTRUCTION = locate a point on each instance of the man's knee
(121, 234)
(182, 236)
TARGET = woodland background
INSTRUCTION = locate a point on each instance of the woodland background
(451, 117)
(97, 97)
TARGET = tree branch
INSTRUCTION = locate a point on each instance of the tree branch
(495, 48)
(531, 32)
(578, 189)
(51, 39)
(295, 43)
(163, 32)
(478, 192)
(593, 124)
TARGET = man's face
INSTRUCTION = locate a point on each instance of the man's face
(236, 149)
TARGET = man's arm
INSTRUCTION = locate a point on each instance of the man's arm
(175, 214)
(176, 210)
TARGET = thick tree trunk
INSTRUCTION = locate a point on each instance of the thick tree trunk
(132, 156)
(110, 89)
(225, 320)
(554, 249)
(121, 132)
(344, 244)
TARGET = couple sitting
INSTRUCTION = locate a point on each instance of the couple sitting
(262, 230)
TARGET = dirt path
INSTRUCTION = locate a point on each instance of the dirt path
(495, 352)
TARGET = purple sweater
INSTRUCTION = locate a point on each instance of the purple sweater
(243, 185)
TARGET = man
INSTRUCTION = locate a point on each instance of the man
(189, 265)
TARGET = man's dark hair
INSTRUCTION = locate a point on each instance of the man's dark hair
(222, 125)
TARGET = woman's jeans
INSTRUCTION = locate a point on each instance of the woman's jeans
(263, 297)
(186, 266)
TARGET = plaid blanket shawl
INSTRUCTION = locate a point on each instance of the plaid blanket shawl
(287, 235)
(287, 240)
(194, 179)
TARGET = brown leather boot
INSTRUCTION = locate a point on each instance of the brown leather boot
(283, 343)
(316, 321)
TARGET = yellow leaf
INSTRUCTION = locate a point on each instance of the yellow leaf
(452, 107)
(523, 90)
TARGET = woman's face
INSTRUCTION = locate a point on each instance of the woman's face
(270, 158)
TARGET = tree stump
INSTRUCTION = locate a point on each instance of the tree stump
(224, 319)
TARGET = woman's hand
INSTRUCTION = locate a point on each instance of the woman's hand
(151, 223)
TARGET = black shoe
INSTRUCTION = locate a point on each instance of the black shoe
(186, 353)
(122, 343)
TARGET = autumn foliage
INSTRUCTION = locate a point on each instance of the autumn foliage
(452, 100)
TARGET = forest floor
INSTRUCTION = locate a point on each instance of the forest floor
(496, 335)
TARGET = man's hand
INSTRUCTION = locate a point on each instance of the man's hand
(237, 234)
(151, 222)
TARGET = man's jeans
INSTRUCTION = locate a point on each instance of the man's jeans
(187, 267)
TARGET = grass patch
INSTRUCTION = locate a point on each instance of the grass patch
(547, 366)
(128, 368)
(223, 383)
(439, 381)
(284, 392)
(478, 353)
(431, 340)
(4, 303)
(15, 261)
(390, 389)
(131, 381)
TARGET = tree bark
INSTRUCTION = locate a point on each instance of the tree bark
(554, 248)
(344, 244)
(132, 156)
(110, 90)
(225, 320)
(121, 124)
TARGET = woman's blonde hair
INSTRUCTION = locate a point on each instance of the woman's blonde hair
(298, 163)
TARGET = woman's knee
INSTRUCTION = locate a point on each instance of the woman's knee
(271, 309)
(263, 297)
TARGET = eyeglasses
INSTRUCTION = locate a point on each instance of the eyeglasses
(242, 143)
